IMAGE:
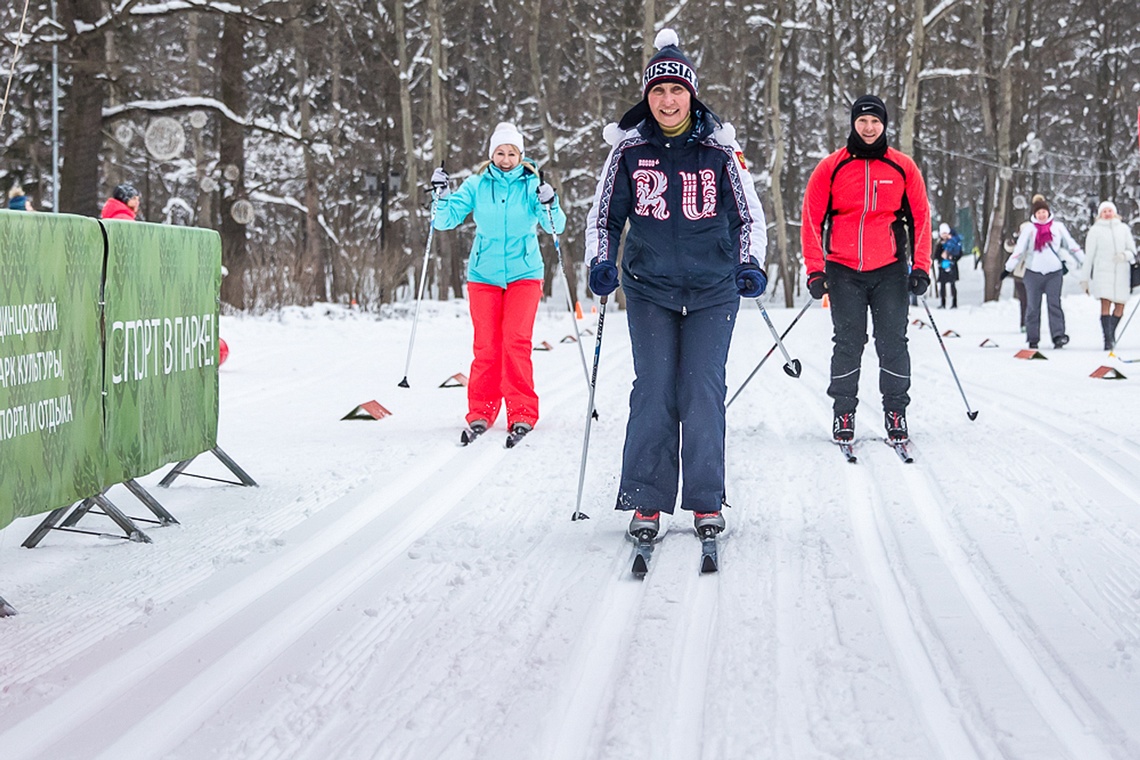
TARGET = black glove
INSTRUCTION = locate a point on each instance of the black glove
(750, 280)
(545, 193)
(603, 277)
(1006, 273)
(918, 282)
(817, 284)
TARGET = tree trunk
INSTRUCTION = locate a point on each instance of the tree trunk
(204, 205)
(994, 261)
(311, 269)
(82, 129)
(401, 259)
(231, 153)
(775, 58)
(448, 276)
(538, 87)
(648, 21)
(908, 111)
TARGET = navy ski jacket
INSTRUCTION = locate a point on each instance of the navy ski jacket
(692, 209)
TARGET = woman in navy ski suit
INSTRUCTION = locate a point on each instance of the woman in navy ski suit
(696, 244)
(504, 276)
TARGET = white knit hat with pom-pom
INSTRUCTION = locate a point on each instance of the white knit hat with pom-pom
(669, 64)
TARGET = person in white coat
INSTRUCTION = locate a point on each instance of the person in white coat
(1110, 251)
(1041, 257)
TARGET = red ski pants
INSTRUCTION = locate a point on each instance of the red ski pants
(502, 370)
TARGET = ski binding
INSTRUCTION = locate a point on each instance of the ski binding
(902, 448)
(642, 553)
(848, 449)
(709, 561)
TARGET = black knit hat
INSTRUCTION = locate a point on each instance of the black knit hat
(125, 192)
(1039, 203)
(868, 105)
(668, 64)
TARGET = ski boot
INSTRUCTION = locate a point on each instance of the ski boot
(708, 523)
(896, 426)
(645, 525)
(517, 433)
(472, 431)
(843, 428)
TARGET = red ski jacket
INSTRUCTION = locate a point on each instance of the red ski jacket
(877, 208)
(116, 209)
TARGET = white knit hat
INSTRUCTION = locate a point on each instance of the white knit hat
(505, 134)
(1104, 205)
(944, 229)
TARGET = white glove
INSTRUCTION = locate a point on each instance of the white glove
(545, 193)
(439, 182)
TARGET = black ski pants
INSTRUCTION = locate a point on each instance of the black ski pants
(883, 292)
(676, 408)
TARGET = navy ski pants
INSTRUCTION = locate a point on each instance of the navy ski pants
(676, 408)
(884, 292)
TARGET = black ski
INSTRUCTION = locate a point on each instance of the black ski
(515, 436)
(642, 553)
(902, 448)
(709, 561)
(848, 449)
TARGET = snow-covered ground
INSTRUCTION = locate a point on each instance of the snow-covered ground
(386, 594)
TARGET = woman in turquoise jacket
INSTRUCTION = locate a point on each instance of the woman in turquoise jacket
(504, 276)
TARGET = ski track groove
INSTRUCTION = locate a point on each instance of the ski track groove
(903, 627)
(110, 681)
(1067, 720)
(589, 670)
(1120, 539)
(298, 709)
(55, 644)
(691, 661)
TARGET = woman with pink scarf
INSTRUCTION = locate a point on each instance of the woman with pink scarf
(1041, 257)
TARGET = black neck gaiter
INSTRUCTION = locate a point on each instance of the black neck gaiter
(858, 148)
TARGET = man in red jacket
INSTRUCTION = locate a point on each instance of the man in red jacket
(877, 250)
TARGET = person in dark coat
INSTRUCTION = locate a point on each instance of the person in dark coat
(947, 251)
(696, 244)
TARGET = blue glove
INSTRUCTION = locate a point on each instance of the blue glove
(750, 280)
(603, 277)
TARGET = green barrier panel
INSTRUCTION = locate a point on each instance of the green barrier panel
(161, 328)
(51, 362)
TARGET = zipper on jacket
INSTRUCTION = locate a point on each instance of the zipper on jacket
(863, 215)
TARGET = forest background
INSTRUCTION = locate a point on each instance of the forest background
(305, 131)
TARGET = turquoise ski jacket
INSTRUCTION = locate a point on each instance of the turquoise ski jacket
(506, 210)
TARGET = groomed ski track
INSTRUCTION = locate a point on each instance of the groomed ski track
(397, 596)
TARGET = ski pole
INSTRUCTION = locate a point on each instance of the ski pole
(1126, 323)
(566, 282)
(792, 367)
(972, 414)
(771, 351)
(423, 281)
(578, 513)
